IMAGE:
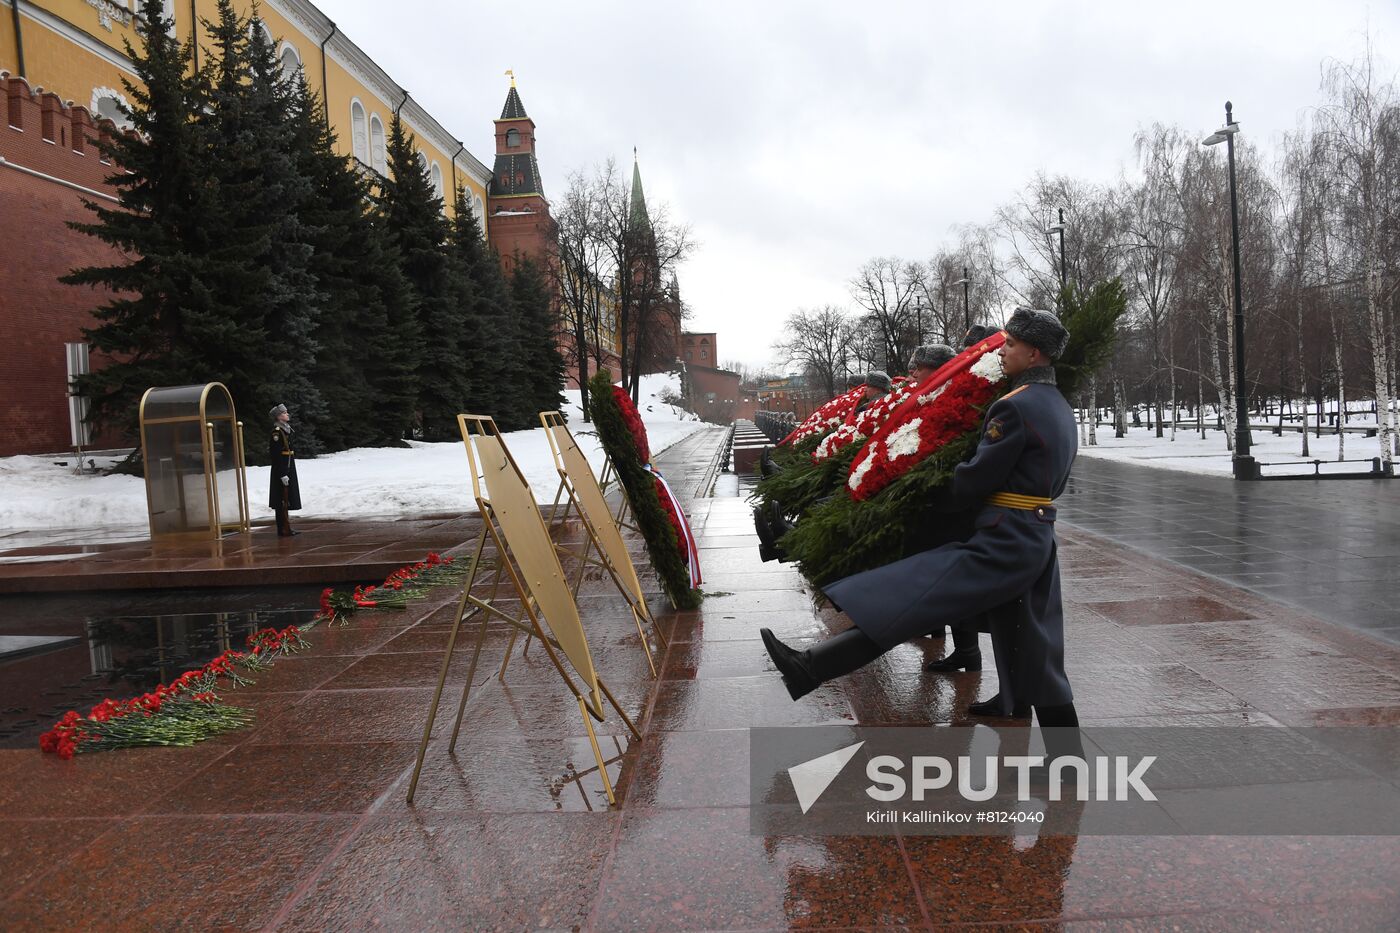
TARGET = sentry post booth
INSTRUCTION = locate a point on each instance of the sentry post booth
(192, 447)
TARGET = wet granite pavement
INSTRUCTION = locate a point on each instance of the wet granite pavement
(300, 822)
(1331, 547)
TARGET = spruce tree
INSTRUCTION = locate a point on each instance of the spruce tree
(494, 340)
(414, 219)
(363, 366)
(161, 325)
(261, 193)
(534, 307)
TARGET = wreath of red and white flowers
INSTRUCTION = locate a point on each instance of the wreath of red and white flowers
(942, 409)
(859, 425)
(824, 419)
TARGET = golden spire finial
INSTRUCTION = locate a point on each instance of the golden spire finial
(511, 72)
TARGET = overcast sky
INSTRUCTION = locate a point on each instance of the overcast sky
(799, 139)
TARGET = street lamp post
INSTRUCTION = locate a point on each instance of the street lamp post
(919, 318)
(1244, 466)
(967, 314)
(1060, 229)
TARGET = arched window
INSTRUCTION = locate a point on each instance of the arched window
(290, 60)
(423, 164)
(379, 159)
(359, 135)
(436, 175)
(107, 104)
(512, 139)
(480, 210)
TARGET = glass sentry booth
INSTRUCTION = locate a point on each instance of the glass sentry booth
(192, 447)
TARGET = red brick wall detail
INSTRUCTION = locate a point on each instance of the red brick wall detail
(38, 314)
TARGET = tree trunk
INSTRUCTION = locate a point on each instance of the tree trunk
(1171, 364)
(1120, 412)
(1341, 395)
(1302, 381)
(1380, 363)
(581, 346)
(1227, 405)
(1093, 410)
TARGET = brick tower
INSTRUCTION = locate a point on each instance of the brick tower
(518, 219)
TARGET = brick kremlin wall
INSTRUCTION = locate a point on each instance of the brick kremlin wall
(39, 314)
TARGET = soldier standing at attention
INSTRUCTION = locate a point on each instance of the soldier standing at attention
(1009, 563)
(284, 494)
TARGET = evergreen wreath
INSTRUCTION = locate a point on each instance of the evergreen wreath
(626, 450)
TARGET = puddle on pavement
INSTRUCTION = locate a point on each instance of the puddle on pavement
(60, 652)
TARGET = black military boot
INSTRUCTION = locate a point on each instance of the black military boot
(1060, 731)
(804, 671)
(1057, 717)
(965, 656)
(777, 521)
(766, 550)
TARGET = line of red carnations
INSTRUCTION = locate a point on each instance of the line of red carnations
(269, 643)
(179, 701)
(403, 584)
(104, 723)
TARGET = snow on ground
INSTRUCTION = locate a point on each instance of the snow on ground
(366, 482)
(1193, 455)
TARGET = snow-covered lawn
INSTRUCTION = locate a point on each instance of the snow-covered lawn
(1194, 455)
(366, 482)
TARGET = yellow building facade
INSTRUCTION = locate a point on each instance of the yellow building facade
(76, 49)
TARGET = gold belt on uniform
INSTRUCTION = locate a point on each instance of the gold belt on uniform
(1015, 500)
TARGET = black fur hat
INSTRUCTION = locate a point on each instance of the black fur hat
(1040, 329)
(878, 379)
(975, 333)
(932, 355)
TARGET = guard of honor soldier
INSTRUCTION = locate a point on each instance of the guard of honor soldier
(284, 494)
(1006, 569)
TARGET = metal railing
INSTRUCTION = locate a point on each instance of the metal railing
(1377, 471)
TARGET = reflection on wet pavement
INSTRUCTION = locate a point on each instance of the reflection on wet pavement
(302, 823)
(64, 652)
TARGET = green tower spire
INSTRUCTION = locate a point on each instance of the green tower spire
(637, 212)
